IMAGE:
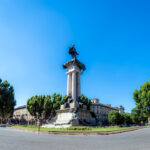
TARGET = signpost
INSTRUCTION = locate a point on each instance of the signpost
(38, 123)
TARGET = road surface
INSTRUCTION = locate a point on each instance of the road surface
(11, 139)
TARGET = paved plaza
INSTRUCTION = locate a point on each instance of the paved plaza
(11, 139)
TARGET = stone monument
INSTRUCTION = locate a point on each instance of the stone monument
(73, 112)
(74, 68)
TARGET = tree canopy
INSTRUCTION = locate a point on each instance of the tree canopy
(142, 101)
(39, 106)
(56, 101)
(85, 101)
(127, 118)
(7, 100)
(115, 117)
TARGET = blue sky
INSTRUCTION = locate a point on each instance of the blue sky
(111, 36)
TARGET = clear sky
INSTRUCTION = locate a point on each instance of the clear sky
(111, 36)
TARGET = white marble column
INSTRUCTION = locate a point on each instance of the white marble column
(78, 85)
(69, 88)
(74, 83)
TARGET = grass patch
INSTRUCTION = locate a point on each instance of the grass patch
(79, 128)
(75, 128)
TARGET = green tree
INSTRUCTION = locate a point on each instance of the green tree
(39, 106)
(64, 98)
(142, 101)
(85, 101)
(115, 118)
(127, 118)
(47, 106)
(57, 101)
(137, 116)
(7, 100)
(53, 97)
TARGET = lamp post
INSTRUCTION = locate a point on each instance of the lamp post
(38, 118)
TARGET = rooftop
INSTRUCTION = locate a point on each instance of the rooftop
(20, 107)
(103, 105)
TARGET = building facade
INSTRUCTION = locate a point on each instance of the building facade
(22, 116)
(100, 111)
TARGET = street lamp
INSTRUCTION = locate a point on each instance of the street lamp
(38, 118)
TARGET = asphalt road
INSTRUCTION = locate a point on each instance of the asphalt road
(11, 139)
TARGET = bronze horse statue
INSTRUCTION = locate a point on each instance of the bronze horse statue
(73, 52)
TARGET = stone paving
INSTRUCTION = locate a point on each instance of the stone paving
(11, 139)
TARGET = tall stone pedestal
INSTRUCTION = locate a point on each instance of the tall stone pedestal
(67, 117)
(71, 117)
(74, 118)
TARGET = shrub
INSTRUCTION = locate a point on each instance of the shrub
(78, 128)
(115, 118)
(127, 119)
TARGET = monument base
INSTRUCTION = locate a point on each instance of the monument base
(71, 117)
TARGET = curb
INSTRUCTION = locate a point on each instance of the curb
(79, 133)
(93, 133)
